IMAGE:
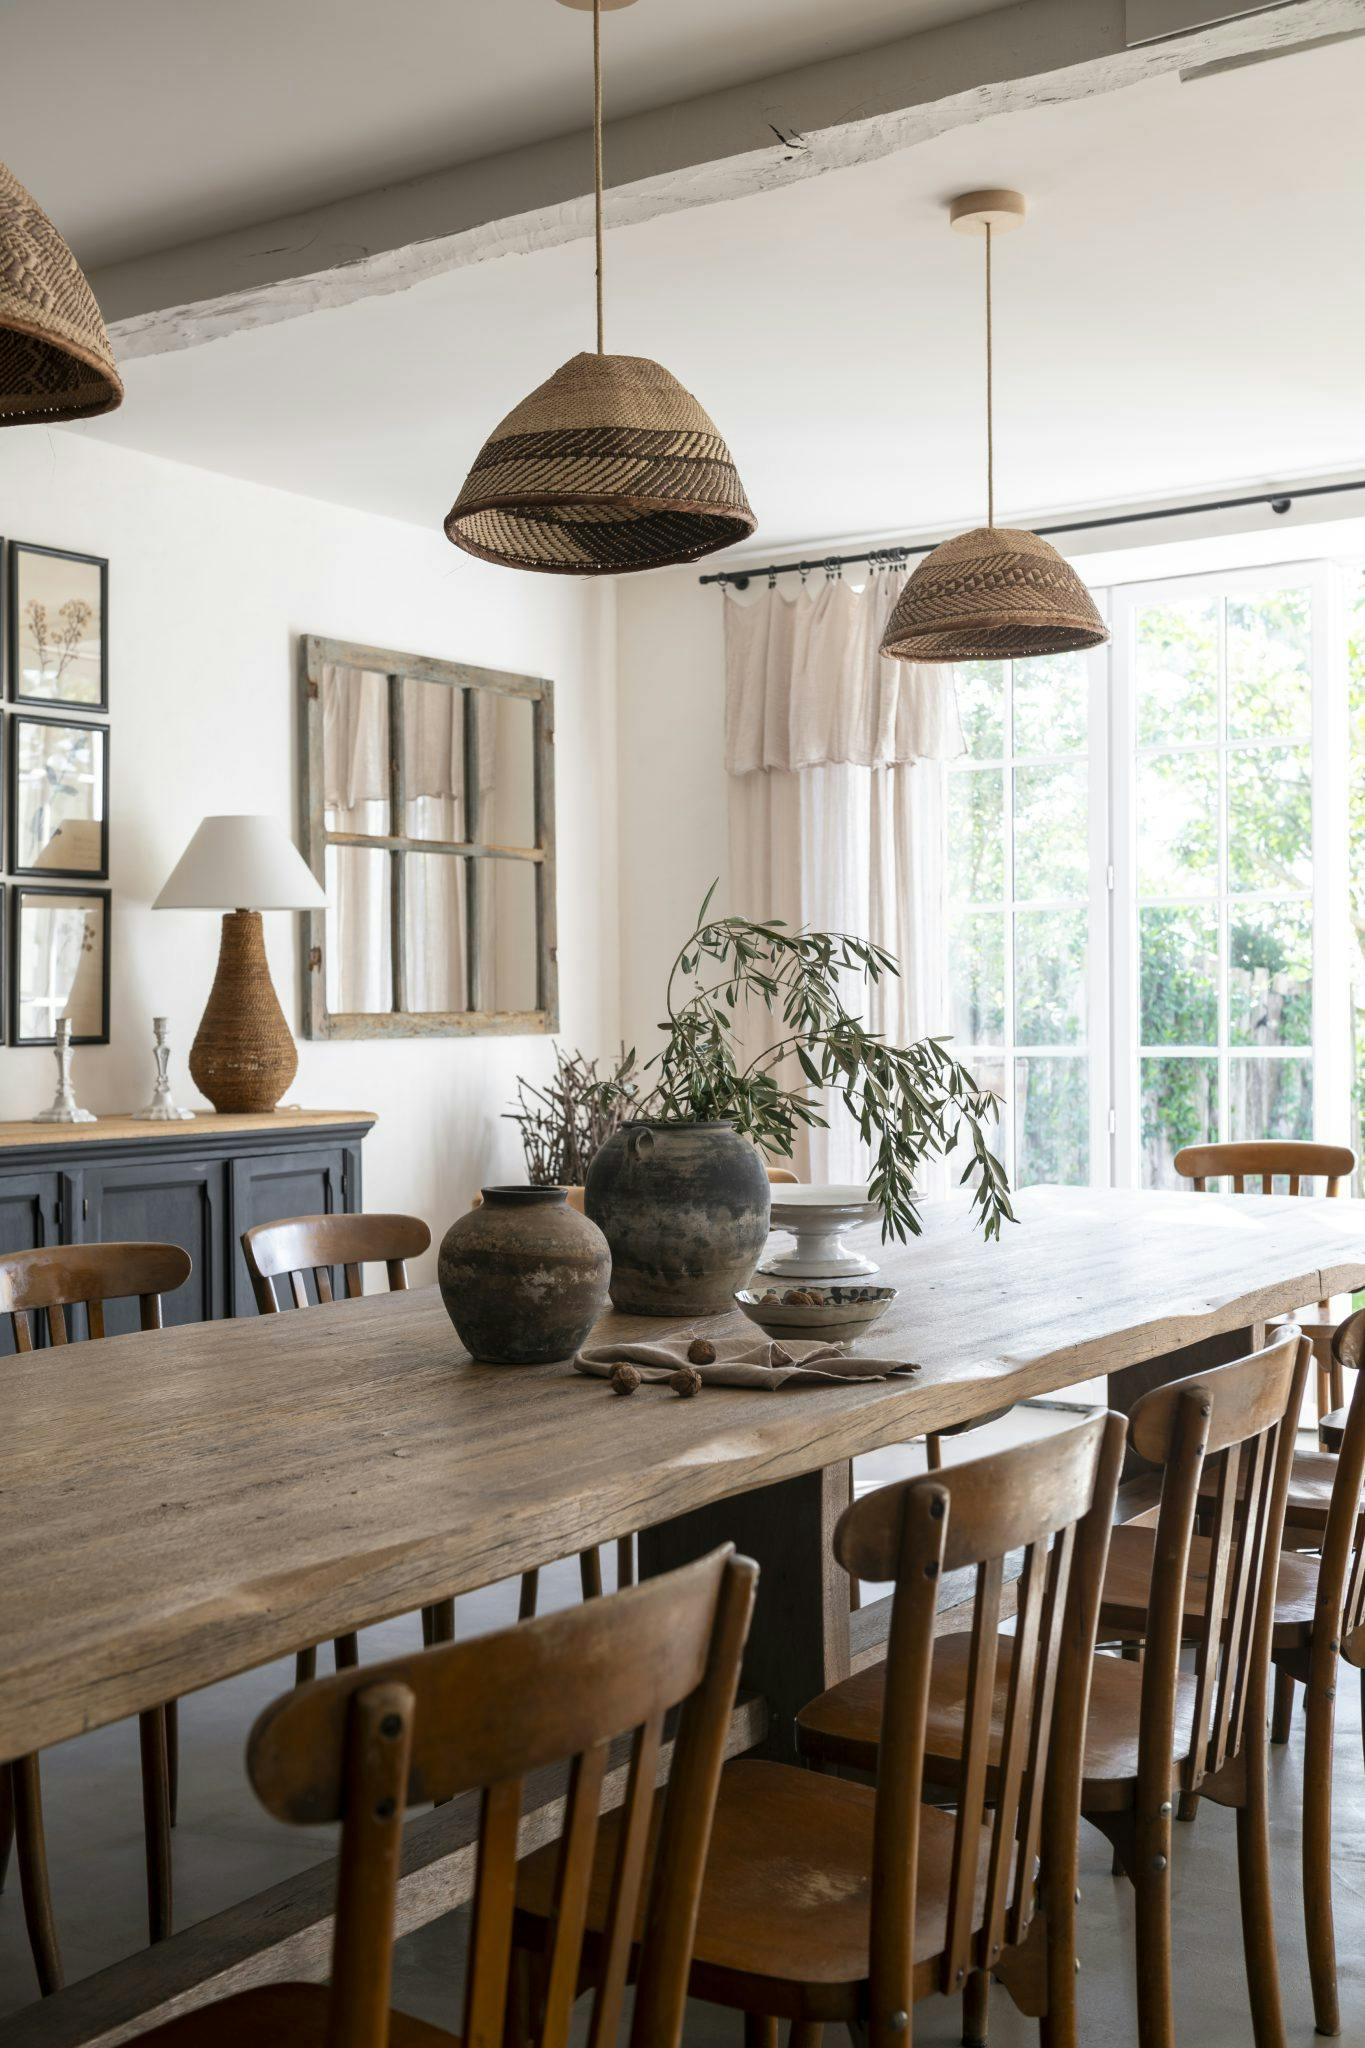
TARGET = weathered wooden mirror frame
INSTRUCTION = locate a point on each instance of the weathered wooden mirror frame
(315, 654)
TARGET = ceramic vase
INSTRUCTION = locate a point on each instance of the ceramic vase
(685, 1209)
(523, 1276)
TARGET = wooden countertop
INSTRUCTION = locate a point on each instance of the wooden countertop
(121, 1128)
(184, 1504)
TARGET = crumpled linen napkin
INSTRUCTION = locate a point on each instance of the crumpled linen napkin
(755, 1361)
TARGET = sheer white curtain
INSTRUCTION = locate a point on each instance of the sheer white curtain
(837, 803)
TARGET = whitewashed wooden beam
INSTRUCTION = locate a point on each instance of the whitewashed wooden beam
(725, 145)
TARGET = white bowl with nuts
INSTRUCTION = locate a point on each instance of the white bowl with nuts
(820, 1310)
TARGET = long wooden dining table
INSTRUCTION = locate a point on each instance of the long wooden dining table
(184, 1505)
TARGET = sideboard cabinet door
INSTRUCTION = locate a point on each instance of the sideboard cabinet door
(164, 1201)
(266, 1187)
(30, 1217)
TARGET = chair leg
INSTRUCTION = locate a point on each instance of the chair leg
(625, 1562)
(806, 2034)
(759, 2032)
(1258, 1912)
(1152, 1890)
(346, 1651)
(1282, 1712)
(530, 1593)
(976, 2006)
(1317, 1859)
(156, 1820)
(33, 1879)
(438, 1623)
(172, 1712)
(6, 1820)
(933, 1451)
(305, 1666)
(590, 1573)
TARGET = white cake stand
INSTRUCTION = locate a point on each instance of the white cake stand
(817, 1218)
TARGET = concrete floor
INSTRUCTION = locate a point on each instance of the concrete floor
(227, 1849)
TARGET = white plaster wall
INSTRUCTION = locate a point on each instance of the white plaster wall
(211, 582)
(673, 796)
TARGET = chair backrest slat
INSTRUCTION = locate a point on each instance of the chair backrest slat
(292, 1249)
(54, 1278)
(483, 1716)
(1054, 1499)
(1341, 1570)
(1296, 1160)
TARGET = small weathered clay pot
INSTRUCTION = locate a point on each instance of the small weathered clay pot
(523, 1276)
(685, 1209)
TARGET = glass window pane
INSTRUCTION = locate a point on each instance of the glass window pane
(1051, 704)
(1178, 953)
(989, 1070)
(1270, 1098)
(434, 924)
(1177, 673)
(1270, 974)
(1050, 977)
(1051, 812)
(976, 976)
(1177, 824)
(976, 851)
(507, 949)
(1270, 818)
(1178, 1106)
(1051, 1120)
(1270, 689)
(980, 689)
(359, 951)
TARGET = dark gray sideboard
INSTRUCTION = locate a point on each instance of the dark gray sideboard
(197, 1184)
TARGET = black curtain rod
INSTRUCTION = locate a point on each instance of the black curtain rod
(1278, 501)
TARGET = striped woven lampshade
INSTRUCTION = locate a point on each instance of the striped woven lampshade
(609, 466)
(55, 359)
(993, 594)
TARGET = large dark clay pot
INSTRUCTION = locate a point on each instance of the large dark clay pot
(685, 1209)
(523, 1277)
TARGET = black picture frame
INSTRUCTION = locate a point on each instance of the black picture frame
(21, 892)
(16, 719)
(18, 550)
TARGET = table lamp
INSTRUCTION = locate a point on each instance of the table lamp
(243, 1057)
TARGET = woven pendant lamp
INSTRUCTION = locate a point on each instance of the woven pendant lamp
(55, 359)
(997, 592)
(611, 465)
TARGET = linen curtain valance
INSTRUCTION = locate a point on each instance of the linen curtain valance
(806, 686)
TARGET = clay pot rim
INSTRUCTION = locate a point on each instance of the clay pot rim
(680, 1123)
(526, 1194)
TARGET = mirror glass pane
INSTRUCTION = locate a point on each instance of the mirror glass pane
(60, 962)
(59, 775)
(359, 930)
(355, 750)
(435, 924)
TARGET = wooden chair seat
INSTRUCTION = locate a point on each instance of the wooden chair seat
(1311, 1479)
(844, 1725)
(786, 1901)
(1128, 1585)
(279, 2016)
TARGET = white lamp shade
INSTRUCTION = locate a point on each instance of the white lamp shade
(241, 864)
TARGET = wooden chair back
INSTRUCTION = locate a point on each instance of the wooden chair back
(1054, 1498)
(1238, 1421)
(300, 1245)
(1341, 1569)
(59, 1277)
(1268, 1160)
(364, 1745)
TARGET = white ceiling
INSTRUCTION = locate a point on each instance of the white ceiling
(1184, 308)
(164, 120)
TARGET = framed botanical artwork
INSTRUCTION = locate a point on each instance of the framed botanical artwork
(58, 964)
(58, 624)
(58, 797)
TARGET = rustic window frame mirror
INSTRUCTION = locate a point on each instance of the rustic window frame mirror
(317, 655)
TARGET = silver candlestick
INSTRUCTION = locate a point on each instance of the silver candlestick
(162, 1108)
(65, 1109)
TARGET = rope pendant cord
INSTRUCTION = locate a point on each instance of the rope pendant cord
(597, 155)
(990, 393)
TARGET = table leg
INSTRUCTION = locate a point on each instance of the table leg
(1131, 1382)
(798, 1643)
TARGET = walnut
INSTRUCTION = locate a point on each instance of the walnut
(701, 1351)
(624, 1379)
(685, 1382)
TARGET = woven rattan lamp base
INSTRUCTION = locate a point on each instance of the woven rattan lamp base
(243, 1057)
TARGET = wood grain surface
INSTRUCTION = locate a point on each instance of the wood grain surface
(124, 1128)
(185, 1504)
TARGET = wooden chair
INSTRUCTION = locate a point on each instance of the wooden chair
(40, 1290)
(482, 1716)
(1154, 1730)
(301, 1247)
(1300, 1164)
(1315, 1631)
(826, 1902)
